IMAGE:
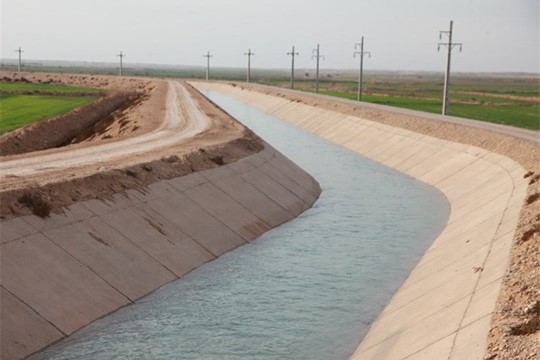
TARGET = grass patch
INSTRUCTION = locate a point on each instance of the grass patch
(20, 110)
(506, 112)
(18, 88)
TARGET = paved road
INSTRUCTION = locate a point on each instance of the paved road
(529, 135)
(184, 120)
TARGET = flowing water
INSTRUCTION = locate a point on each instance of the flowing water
(305, 290)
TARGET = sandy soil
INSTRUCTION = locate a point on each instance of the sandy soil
(179, 132)
(515, 332)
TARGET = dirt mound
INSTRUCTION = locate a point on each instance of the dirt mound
(63, 130)
(53, 197)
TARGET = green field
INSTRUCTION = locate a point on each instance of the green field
(503, 100)
(501, 111)
(20, 110)
(24, 103)
(18, 88)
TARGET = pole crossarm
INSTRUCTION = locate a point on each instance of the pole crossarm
(362, 52)
(450, 45)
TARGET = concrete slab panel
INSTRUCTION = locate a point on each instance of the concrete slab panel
(424, 298)
(241, 166)
(22, 330)
(437, 350)
(197, 223)
(295, 172)
(430, 276)
(154, 191)
(255, 200)
(275, 191)
(228, 211)
(187, 182)
(498, 260)
(119, 201)
(160, 239)
(301, 191)
(412, 339)
(256, 160)
(471, 341)
(50, 281)
(426, 152)
(482, 302)
(75, 212)
(13, 229)
(113, 257)
(217, 173)
(444, 169)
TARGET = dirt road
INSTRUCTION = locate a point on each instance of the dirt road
(184, 119)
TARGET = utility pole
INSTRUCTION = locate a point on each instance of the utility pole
(293, 54)
(361, 54)
(316, 55)
(450, 45)
(121, 55)
(207, 56)
(20, 51)
(249, 54)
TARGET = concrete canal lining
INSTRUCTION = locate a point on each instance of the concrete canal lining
(62, 272)
(443, 310)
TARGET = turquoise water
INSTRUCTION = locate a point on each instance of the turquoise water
(306, 290)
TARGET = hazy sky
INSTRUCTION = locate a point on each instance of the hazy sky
(498, 35)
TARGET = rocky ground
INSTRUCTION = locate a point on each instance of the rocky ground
(515, 330)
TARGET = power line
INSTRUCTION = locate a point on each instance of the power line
(361, 54)
(208, 56)
(449, 45)
(293, 54)
(316, 55)
(20, 51)
(249, 54)
(121, 55)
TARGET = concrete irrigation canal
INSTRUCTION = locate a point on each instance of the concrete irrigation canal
(305, 290)
(333, 237)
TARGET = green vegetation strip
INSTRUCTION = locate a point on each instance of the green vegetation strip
(20, 110)
(14, 88)
(501, 111)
